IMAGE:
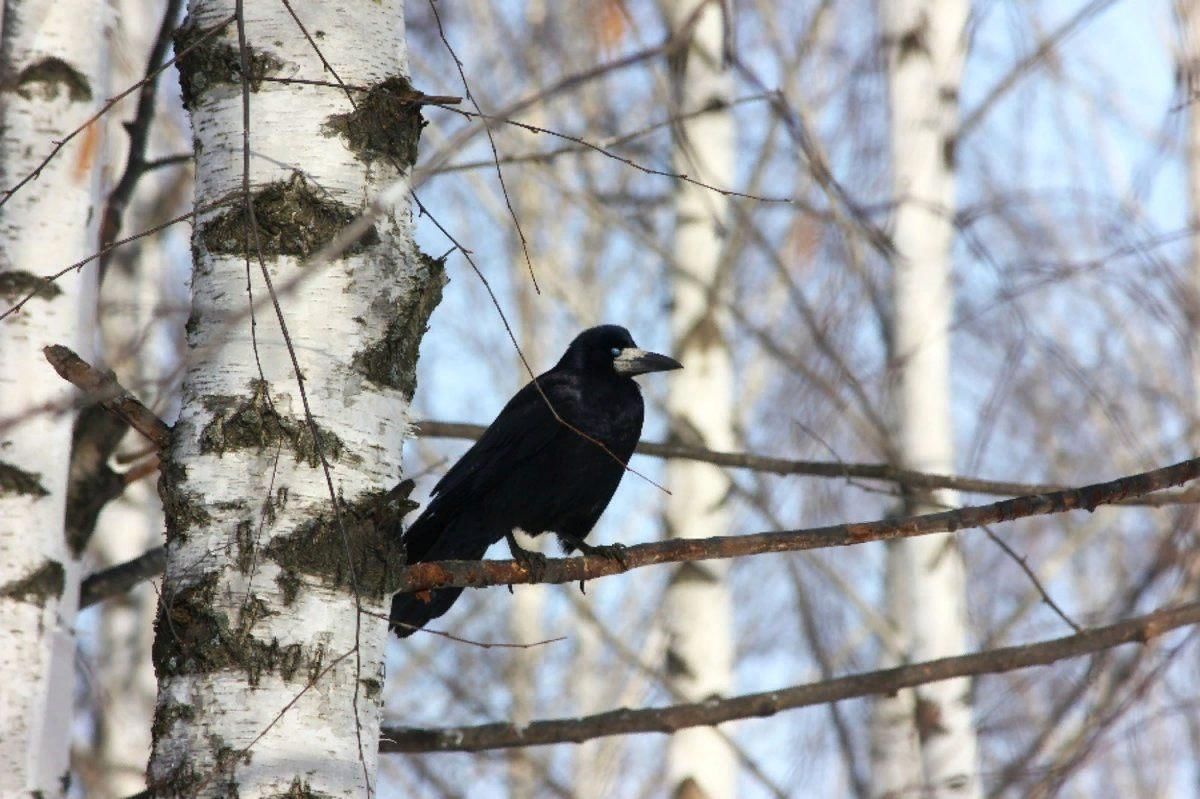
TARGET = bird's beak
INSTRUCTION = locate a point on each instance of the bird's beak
(633, 361)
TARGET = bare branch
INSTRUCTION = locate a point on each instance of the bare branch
(425, 576)
(103, 388)
(1141, 629)
(116, 580)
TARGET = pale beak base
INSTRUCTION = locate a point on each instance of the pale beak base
(633, 361)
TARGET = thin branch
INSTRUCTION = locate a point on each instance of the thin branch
(445, 574)
(836, 469)
(1141, 629)
(487, 129)
(587, 145)
(1029, 63)
(1021, 562)
(103, 387)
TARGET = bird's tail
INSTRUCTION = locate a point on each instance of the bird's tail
(411, 612)
(431, 538)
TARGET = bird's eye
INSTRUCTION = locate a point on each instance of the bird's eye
(615, 351)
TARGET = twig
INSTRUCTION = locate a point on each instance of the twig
(469, 641)
(1033, 578)
(487, 129)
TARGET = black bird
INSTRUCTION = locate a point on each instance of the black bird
(531, 471)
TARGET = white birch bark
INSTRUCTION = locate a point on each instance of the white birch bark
(925, 42)
(698, 611)
(50, 85)
(269, 680)
(1189, 72)
(528, 602)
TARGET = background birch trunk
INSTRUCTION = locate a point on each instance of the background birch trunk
(269, 677)
(1188, 61)
(698, 612)
(140, 324)
(50, 85)
(925, 43)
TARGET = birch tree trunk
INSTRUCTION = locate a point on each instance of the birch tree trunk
(270, 680)
(925, 42)
(528, 602)
(1189, 76)
(50, 85)
(700, 402)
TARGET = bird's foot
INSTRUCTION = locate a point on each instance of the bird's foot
(534, 562)
(611, 551)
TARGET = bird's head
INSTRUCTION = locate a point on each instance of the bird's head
(610, 349)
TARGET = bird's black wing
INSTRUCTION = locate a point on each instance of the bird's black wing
(523, 428)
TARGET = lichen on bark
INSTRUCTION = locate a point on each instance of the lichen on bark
(391, 360)
(254, 423)
(167, 713)
(39, 586)
(293, 217)
(183, 509)
(15, 480)
(193, 635)
(16, 284)
(369, 530)
(50, 75)
(386, 123)
(214, 61)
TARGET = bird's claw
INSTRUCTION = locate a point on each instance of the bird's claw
(615, 552)
(533, 562)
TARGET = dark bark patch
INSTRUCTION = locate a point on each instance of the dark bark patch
(293, 218)
(253, 423)
(15, 480)
(289, 586)
(391, 360)
(215, 61)
(193, 636)
(167, 713)
(245, 547)
(183, 509)
(385, 123)
(44, 80)
(318, 548)
(16, 284)
(39, 586)
(299, 789)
